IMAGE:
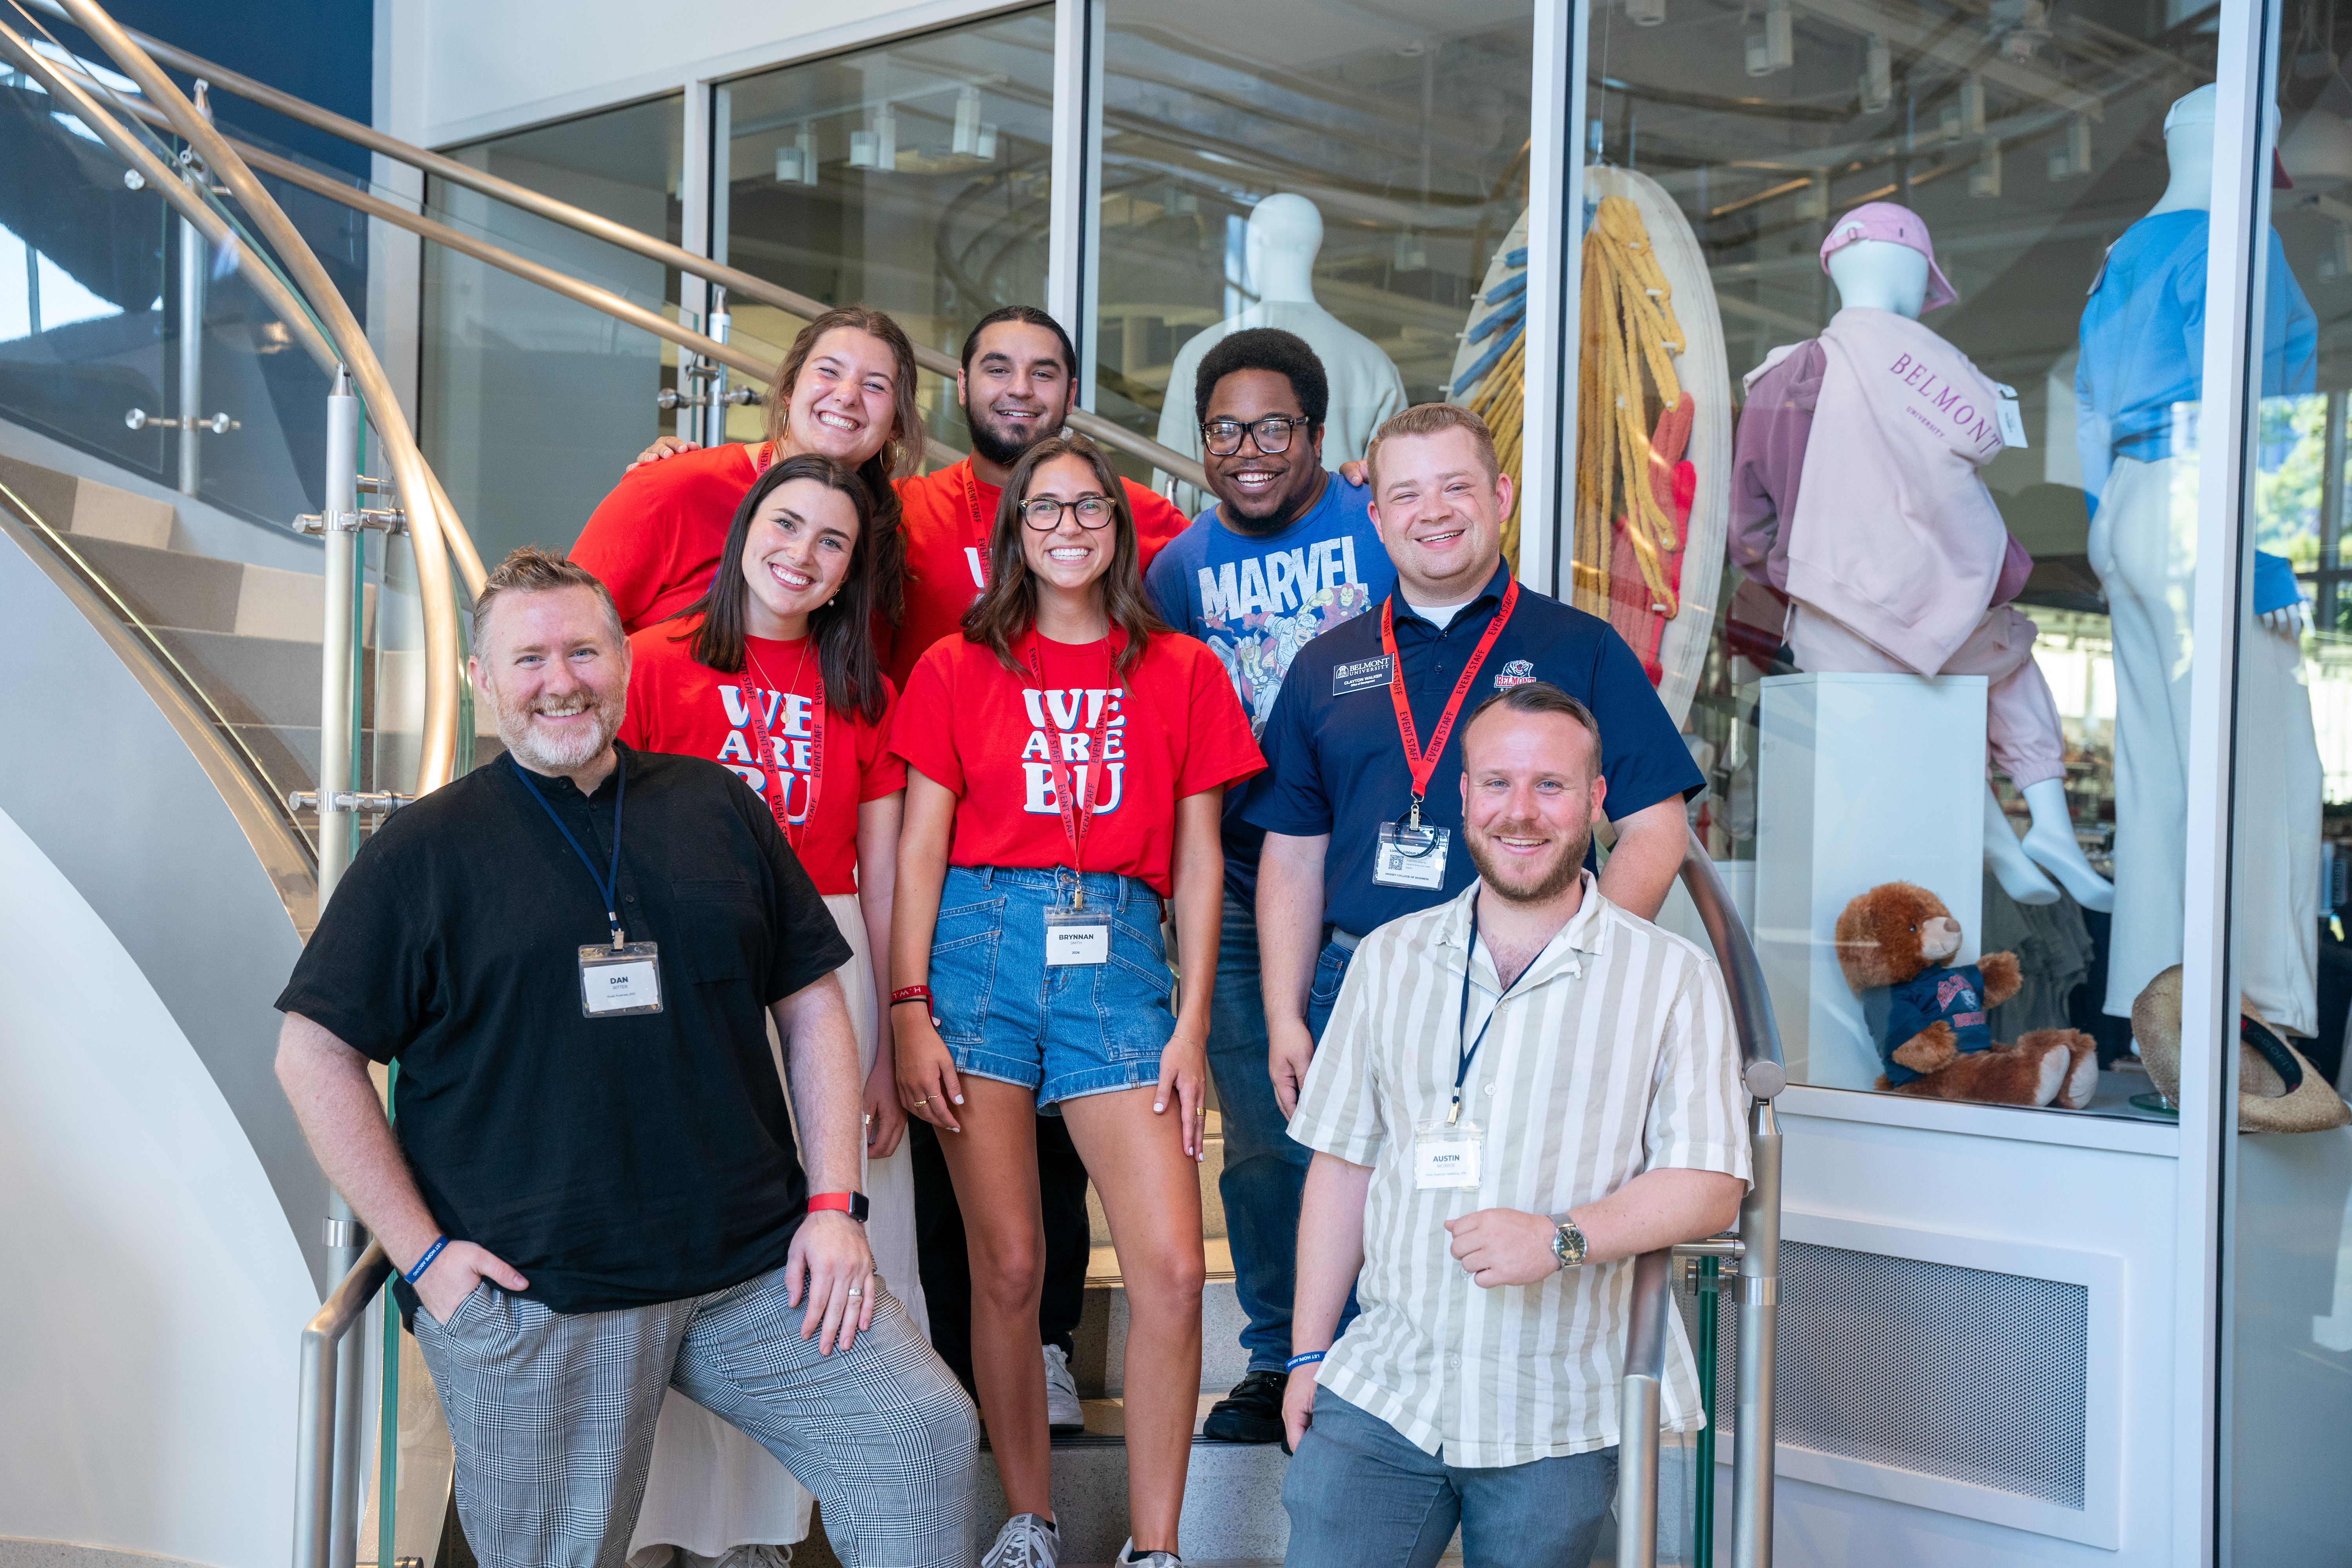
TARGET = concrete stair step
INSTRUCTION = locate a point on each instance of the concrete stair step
(269, 681)
(87, 508)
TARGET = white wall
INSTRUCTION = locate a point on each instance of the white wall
(150, 1373)
(493, 68)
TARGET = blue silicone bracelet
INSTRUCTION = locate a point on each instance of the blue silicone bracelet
(425, 1262)
(1310, 1359)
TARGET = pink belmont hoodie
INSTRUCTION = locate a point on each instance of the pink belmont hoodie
(1889, 527)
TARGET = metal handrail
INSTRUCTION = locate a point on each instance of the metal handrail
(315, 1424)
(430, 525)
(1757, 1251)
(737, 282)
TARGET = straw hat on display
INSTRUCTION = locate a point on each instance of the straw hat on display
(2278, 1089)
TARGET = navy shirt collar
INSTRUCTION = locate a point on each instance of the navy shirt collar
(1490, 596)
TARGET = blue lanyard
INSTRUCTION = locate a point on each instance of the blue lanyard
(1462, 1029)
(608, 884)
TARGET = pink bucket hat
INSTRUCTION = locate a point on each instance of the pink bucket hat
(1896, 225)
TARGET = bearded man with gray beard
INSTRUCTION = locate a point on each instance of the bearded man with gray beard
(596, 1193)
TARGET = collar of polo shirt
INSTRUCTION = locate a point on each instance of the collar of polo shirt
(1492, 594)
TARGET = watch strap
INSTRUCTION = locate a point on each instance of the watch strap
(853, 1205)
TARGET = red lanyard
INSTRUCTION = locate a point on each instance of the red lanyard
(1422, 764)
(1077, 820)
(773, 765)
(979, 547)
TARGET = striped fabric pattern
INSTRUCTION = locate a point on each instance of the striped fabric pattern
(1612, 1056)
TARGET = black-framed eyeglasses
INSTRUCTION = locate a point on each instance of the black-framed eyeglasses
(1271, 434)
(1044, 514)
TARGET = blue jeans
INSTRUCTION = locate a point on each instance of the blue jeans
(1330, 968)
(1266, 1168)
(1357, 1493)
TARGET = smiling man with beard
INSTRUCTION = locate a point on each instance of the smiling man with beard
(1018, 383)
(597, 1191)
(1526, 1040)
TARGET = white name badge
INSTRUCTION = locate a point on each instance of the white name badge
(1447, 1159)
(1077, 936)
(614, 981)
(1411, 856)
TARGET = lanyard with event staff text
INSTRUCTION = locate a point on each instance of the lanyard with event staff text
(609, 884)
(1425, 765)
(1077, 817)
(773, 764)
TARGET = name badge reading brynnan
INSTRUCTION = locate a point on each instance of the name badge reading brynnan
(1364, 675)
(618, 980)
(1077, 936)
(1411, 856)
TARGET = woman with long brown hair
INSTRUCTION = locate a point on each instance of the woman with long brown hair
(773, 673)
(1066, 763)
(845, 391)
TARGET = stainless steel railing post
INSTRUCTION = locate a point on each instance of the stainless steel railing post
(1637, 1414)
(320, 1540)
(1759, 1322)
(336, 674)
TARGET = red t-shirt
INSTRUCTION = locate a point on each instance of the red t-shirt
(1174, 728)
(948, 515)
(655, 540)
(679, 705)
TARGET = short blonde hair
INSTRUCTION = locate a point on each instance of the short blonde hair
(1429, 419)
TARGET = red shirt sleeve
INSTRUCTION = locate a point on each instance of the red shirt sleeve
(1157, 521)
(922, 727)
(880, 772)
(627, 542)
(1218, 747)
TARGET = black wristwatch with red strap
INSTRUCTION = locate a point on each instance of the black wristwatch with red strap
(853, 1205)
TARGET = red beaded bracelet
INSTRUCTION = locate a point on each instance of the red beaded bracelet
(910, 993)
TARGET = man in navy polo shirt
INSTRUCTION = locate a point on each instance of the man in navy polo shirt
(1347, 844)
(1287, 553)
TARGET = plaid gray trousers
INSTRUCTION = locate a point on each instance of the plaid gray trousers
(552, 1419)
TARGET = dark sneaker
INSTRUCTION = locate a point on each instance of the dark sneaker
(1252, 1413)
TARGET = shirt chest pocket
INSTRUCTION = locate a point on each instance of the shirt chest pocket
(722, 933)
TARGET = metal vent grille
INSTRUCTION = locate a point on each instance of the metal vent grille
(1959, 1373)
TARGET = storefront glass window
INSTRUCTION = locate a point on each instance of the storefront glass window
(1868, 522)
(527, 397)
(1353, 172)
(2286, 1180)
(915, 178)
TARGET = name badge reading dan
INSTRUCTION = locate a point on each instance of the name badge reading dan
(616, 981)
(1077, 936)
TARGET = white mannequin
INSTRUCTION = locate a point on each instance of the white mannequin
(2146, 565)
(1880, 275)
(1286, 232)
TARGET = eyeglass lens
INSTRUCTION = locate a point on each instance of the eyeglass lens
(1044, 514)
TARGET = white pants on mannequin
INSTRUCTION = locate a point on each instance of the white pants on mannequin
(2143, 546)
(711, 1489)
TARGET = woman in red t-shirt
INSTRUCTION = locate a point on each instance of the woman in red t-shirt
(845, 391)
(773, 673)
(1066, 760)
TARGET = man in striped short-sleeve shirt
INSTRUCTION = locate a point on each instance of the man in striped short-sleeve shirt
(1520, 1089)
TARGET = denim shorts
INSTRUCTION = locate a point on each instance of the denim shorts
(1066, 1031)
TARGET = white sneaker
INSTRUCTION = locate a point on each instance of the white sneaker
(1150, 1559)
(1063, 1411)
(1027, 1540)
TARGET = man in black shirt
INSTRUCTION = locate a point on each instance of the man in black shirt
(571, 953)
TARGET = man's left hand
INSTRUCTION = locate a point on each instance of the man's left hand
(829, 1259)
(1504, 1247)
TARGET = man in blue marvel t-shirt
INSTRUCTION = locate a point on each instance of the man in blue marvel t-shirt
(1287, 553)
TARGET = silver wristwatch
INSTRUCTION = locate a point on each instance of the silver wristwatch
(1567, 1243)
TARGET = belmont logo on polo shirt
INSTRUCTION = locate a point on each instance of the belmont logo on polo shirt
(790, 742)
(1069, 716)
(1517, 672)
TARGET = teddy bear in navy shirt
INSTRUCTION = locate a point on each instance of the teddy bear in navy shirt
(1928, 1017)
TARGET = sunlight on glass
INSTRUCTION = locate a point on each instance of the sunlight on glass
(58, 300)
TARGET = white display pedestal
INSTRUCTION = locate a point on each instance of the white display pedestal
(1862, 779)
